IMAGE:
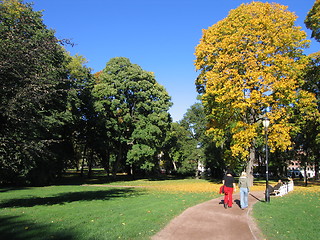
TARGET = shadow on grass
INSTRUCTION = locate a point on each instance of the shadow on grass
(73, 177)
(7, 189)
(17, 229)
(70, 197)
(311, 183)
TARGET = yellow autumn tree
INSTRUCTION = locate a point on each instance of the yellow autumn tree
(251, 66)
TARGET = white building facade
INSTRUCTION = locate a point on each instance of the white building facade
(295, 168)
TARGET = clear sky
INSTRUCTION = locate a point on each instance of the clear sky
(158, 35)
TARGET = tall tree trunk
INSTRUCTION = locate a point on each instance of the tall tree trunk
(316, 169)
(174, 165)
(197, 174)
(83, 159)
(105, 157)
(249, 168)
(132, 171)
(117, 162)
(90, 163)
(305, 174)
(260, 164)
(304, 158)
(108, 163)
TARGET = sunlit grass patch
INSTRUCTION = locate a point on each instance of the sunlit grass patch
(313, 186)
(293, 216)
(85, 212)
(103, 212)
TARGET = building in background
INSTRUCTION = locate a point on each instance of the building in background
(296, 170)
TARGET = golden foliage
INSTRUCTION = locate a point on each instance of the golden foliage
(252, 62)
(15, 7)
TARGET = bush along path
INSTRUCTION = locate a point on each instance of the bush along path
(210, 220)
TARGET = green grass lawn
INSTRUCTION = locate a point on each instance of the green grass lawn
(294, 216)
(86, 212)
(94, 212)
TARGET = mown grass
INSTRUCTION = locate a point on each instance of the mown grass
(125, 211)
(90, 212)
(294, 216)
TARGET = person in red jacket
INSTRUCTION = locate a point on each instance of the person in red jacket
(229, 188)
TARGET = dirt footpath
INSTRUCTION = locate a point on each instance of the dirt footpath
(210, 220)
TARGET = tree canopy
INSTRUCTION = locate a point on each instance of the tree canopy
(55, 114)
(312, 20)
(33, 93)
(251, 66)
(135, 111)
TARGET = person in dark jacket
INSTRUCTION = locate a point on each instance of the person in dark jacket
(229, 188)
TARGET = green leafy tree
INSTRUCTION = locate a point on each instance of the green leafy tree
(180, 151)
(251, 65)
(308, 138)
(211, 156)
(194, 121)
(170, 148)
(135, 110)
(82, 130)
(312, 20)
(33, 94)
(187, 146)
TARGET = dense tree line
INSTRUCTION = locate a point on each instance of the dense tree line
(55, 114)
(189, 148)
(34, 90)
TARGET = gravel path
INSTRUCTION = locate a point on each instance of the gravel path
(210, 220)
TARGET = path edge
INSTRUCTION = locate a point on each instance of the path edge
(253, 225)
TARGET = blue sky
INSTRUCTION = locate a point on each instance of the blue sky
(158, 35)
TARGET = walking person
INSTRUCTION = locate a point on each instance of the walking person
(229, 188)
(244, 190)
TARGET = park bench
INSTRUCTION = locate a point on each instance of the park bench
(284, 189)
